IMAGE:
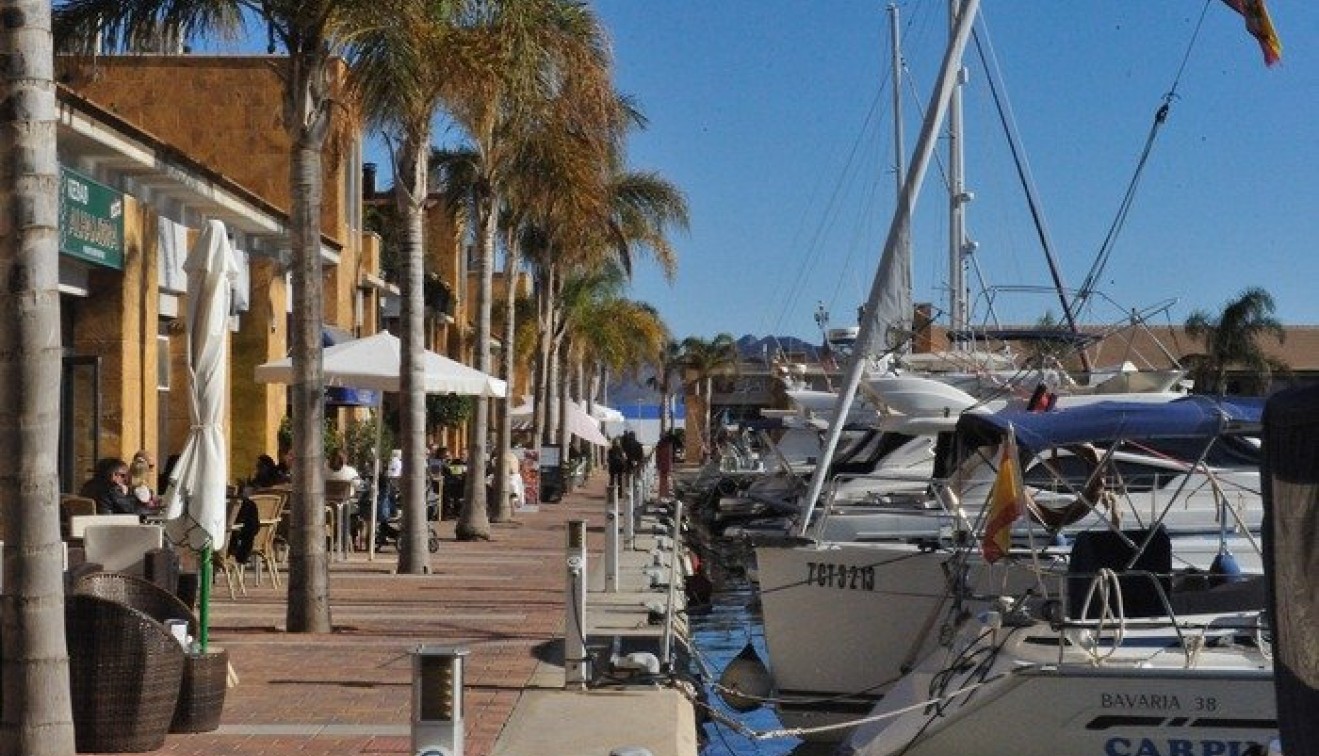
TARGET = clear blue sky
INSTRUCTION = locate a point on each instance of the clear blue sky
(774, 118)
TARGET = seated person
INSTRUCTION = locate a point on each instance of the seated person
(267, 473)
(243, 539)
(337, 468)
(140, 471)
(108, 487)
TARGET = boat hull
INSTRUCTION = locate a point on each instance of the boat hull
(1079, 710)
(843, 622)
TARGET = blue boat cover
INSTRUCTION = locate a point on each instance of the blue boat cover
(1185, 417)
(1291, 561)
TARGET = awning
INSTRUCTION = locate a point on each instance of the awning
(1187, 417)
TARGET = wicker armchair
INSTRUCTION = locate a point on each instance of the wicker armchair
(146, 597)
(125, 670)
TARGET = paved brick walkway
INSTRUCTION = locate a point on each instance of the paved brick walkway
(349, 692)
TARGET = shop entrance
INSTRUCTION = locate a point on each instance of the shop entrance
(80, 412)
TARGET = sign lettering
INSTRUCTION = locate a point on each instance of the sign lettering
(91, 221)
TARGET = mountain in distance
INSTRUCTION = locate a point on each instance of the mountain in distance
(766, 347)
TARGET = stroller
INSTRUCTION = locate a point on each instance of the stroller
(389, 517)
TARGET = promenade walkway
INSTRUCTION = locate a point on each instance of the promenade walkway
(349, 692)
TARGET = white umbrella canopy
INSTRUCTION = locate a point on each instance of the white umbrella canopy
(583, 426)
(373, 362)
(606, 414)
(580, 422)
(195, 499)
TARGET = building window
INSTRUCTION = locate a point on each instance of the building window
(163, 361)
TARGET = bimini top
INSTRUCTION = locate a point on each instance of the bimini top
(1185, 417)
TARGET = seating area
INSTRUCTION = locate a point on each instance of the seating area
(131, 679)
(135, 673)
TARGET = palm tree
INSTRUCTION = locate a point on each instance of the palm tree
(313, 33)
(551, 60)
(1232, 340)
(616, 337)
(667, 362)
(34, 678)
(402, 72)
(639, 210)
(704, 360)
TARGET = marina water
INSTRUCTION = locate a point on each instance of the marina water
(719, 633)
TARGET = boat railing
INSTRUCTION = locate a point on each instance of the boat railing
(1106, 618)
(901, 491)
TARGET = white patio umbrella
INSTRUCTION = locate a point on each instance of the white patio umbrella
(195, 498)
(374, 363)
(580, 422)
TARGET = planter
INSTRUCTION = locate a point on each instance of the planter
(201, 698)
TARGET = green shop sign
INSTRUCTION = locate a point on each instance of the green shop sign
(91, 220)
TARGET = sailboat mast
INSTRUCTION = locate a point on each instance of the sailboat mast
(874, 318)
(899, 137)
(958, 198)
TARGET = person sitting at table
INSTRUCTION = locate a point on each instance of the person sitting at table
(267, 473)
(337, 468)
(140, 470)
(108, 487)
(243, 538)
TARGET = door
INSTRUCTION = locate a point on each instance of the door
(80, 407)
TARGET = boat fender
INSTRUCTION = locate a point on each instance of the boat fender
(1224, 569)
(745, 682)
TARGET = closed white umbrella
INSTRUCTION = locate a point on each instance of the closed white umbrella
(195, 497)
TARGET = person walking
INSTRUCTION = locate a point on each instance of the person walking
(616, 461)
(664, 463)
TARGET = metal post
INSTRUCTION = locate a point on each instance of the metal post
(611, 541)
(630, 515)
(437, 700)
(575, 661)
(675, 559)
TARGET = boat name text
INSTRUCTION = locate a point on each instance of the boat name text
(1155, 702)
(1177, 747)
(842, 576)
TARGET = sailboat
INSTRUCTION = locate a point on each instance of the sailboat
(1189, 466)
(846, 619)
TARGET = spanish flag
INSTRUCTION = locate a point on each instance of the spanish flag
(1007, 502)
(1260, 27)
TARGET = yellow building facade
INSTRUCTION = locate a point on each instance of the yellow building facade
(165, 143)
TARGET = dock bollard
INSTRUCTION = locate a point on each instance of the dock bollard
(611, 541)
(575, 660)
(437, 700)
(630, 514)
(675, 560)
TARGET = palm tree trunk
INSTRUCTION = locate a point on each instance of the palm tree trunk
(709, 434)
(309, 578)
(544, 295)
(562, 376)
(410, 193)
(502, 511)
(474, 522)
(34, 676)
